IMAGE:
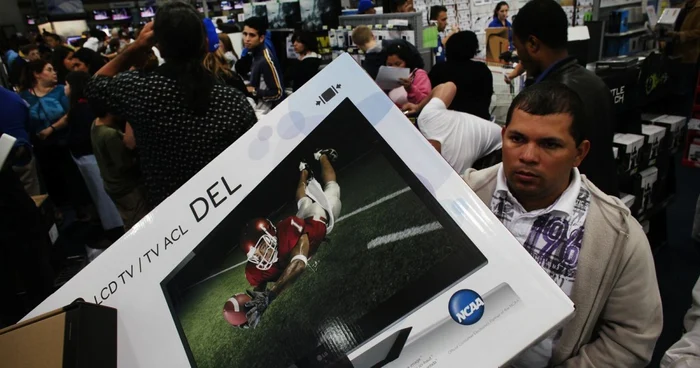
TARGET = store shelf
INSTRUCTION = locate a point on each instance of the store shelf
(628, 33)
(614, 3)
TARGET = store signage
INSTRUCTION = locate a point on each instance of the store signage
(394, 259)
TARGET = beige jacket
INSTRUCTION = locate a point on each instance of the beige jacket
(618, 307)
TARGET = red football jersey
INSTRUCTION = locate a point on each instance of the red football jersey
(289, 231)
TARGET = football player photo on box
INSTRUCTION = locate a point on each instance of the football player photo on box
(331, 234)
(333, 246)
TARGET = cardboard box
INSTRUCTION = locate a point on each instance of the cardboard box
(80, 335)
(48, 219)
(630, 149)
(496, 43)
(645, 183)
(412, 260)
(653, 136)
(674, 130)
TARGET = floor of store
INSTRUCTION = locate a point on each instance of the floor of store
(678, 261)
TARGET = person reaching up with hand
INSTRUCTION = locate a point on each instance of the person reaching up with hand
(417, 85)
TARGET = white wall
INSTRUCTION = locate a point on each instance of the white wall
(10, 14)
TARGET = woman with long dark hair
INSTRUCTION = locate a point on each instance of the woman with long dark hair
(88, 61)
(182, 118)
(47, 124)
(62, 61)
(500, 20)
(80, 118)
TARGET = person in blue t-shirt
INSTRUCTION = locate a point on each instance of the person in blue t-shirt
(500, 20)
(48, 107)
(15, 112)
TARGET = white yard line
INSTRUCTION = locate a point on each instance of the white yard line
(217, 274)
(378, 201)
(412, 231)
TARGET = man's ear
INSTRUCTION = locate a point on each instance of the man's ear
(503, 133)
(582, 152)
(532, 44)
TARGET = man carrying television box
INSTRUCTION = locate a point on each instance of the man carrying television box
(586, 240)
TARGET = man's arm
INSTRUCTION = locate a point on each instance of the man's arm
(631, 318)
(300, 255)
(445, 92)
(273, 81)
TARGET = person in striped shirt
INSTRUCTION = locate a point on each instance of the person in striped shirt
(265, 78)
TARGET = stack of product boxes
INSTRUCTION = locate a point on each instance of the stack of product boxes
(646, 158)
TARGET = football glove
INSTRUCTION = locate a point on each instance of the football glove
(257, 305)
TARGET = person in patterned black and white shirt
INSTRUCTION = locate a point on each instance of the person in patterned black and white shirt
(181, 117)
(587, 241)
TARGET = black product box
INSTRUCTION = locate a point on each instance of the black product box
(644, 185)
(629, 151)
(653, 136)
(674, 130)
(80, 335)
(48, 219)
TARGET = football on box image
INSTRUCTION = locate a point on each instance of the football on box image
(630, 151)
(332, 233)
(674, 130)
(653, 136)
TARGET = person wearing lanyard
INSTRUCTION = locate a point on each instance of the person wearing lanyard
(540, 37)
(686, 46)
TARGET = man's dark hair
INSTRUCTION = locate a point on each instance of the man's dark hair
(549, 98)
(307, 39)
(26, 49)
(461, 46)
(544, 19)
(92, 59)
(52, 35)
(435, 10)
(257, 23)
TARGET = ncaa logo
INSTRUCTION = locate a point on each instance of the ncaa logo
(466, 307)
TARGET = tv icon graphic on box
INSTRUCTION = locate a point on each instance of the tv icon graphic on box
(466, 307)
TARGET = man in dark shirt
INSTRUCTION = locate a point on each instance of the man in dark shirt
(473, 79)
(182, 119)
(540, 37)
(265, 78)
(27, 53)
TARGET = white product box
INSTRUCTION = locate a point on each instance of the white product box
(332, 38)
(674, 130)
(630, 149)
(627, 199)
(645, 189)
(653, 136)
(412, 267)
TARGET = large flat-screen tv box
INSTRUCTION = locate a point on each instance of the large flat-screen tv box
(80, 335)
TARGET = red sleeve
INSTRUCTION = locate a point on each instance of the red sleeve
(316, 231)
(420, 88)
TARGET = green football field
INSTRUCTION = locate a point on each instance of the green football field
(384, 239)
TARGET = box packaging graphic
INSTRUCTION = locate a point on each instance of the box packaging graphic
(401, 261)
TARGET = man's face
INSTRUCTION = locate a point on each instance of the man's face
(407, 7)
(299, 47)
(52, 42)
(442, 21)
(33, 55)
(251, 38)
(539, 153)
(527, 53)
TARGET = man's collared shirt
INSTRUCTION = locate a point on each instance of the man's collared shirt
(553, 237)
